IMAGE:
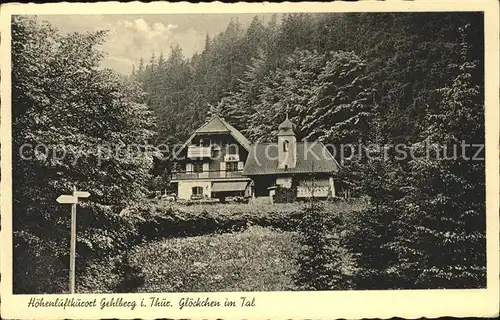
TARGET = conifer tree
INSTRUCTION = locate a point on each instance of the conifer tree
(447, 196)
(426, 227)
(319, 260)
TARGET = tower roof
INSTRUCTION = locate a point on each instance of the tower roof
(286, 127)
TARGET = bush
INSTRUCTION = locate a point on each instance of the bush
(320, 257)
(37, 269)
(41, 263)
(285, 195)
(104, 262)
(163, 219)
(371, 237)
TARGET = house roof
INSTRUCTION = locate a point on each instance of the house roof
(312, 157)
(218, 125)
(234, 132)
(215, 124)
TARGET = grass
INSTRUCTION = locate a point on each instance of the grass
(257, 259)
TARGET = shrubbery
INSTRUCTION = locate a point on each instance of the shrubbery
(285, 195)
(161, 219)
(322, 260)
(117, 268)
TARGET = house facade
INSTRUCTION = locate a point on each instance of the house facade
(210, 163)
(217, 161)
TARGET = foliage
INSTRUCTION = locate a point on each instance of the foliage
(190, 226)
(33, 252)
(320, 258)
(427, 226)
(157, 220)
(449, 197)
(285, 195)
(84, 116)
(257, 259)
(405, 56)
(316, 89)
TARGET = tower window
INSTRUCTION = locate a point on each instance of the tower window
(285, 146)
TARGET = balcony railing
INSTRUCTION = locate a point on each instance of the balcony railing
(199, 152)
(207, 175)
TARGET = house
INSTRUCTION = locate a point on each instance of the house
(210, 163)
(217, 161)
(307, 166)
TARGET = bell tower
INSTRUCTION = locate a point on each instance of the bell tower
(287, 145)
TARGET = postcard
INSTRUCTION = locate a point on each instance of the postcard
(250, 160)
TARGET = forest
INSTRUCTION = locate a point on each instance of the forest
(355, 78)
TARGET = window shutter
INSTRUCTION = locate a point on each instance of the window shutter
(240, 165)
(189, 167)
(206, 167)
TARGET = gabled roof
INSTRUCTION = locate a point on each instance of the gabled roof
(312, 157)
(234, 132)
(214, 125)
(218, 125)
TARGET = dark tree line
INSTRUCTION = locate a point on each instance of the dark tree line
(405, 56)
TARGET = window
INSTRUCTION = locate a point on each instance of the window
(231, 166)
(215, 153)
(198, 167)
(232, 149)
(285, 146)
(197, 191)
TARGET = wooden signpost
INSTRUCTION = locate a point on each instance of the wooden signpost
(73, 200)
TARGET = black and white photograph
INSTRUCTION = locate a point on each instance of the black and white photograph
(243, 152)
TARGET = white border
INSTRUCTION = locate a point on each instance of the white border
(275, 305)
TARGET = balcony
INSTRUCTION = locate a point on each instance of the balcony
(207, 175)
(199, 152)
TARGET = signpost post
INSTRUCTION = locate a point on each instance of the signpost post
(73, 200)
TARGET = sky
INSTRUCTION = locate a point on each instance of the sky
(131, 37)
